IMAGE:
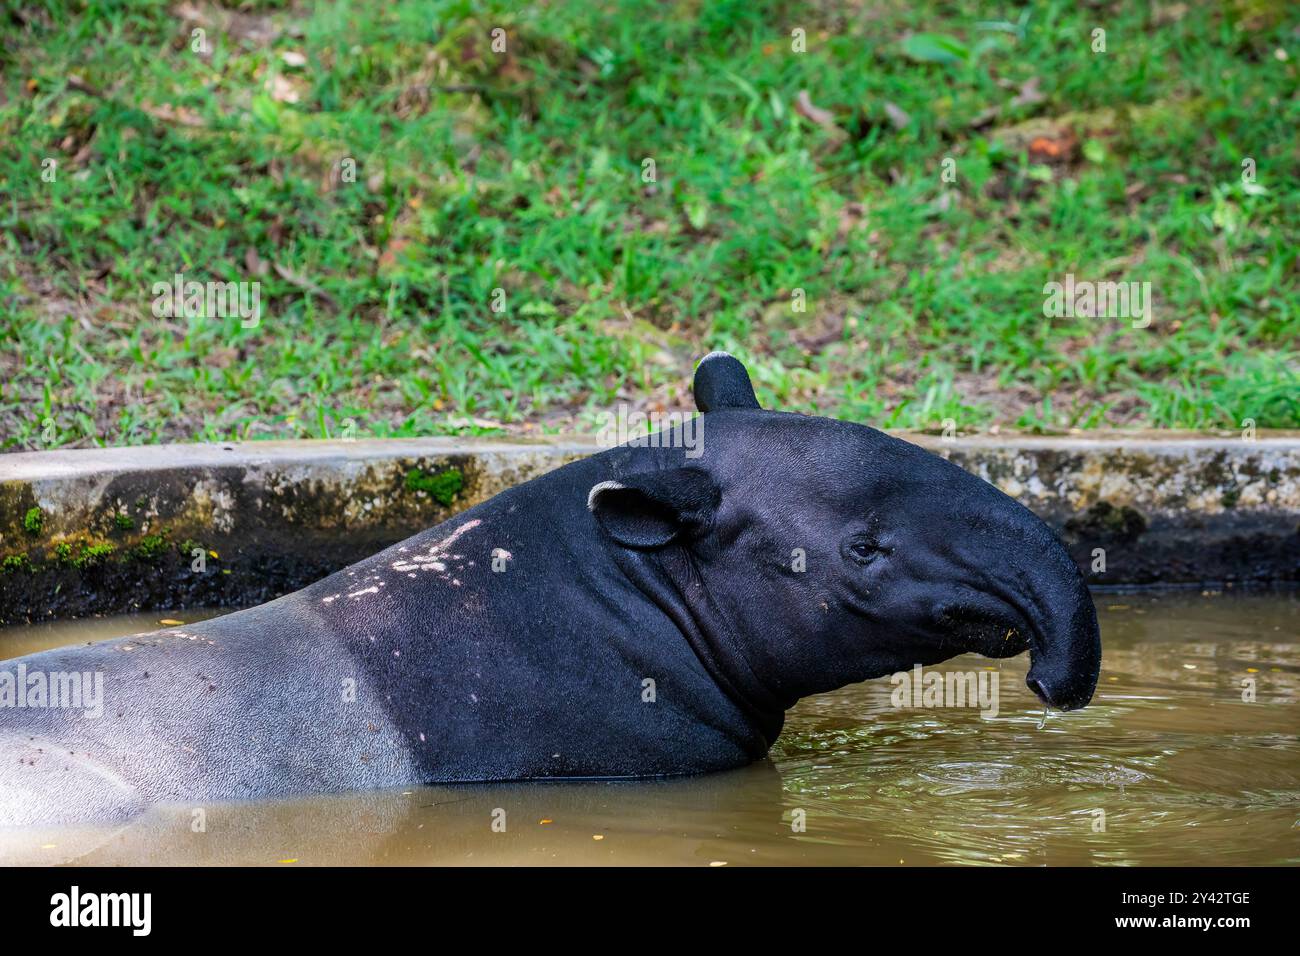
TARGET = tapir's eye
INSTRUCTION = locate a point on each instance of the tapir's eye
(863, 549)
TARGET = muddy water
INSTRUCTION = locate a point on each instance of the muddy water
(1168, 766)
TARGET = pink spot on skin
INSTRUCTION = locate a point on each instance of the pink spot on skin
(434, 559)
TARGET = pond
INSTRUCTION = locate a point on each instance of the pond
(1173, 763)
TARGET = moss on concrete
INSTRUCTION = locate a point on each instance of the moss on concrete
(82, 554)
(33, 519)
(442, 486)
(13, 563)
(1105, 522)
(150, 548)
(16, 499)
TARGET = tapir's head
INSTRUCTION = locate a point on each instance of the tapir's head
(832, 553)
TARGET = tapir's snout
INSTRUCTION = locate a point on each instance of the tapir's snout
(1064, 673)
(1064, 642)
(1020, 590)
(1065, 649)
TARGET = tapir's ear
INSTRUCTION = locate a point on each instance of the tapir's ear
(721, 381)
(655, 509)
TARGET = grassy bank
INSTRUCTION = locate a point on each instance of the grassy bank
(381, 171)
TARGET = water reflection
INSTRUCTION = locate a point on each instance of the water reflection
(1168, 766)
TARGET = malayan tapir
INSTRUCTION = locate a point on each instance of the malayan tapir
(650, 610)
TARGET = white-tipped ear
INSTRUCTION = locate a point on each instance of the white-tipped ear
(655, 509)
(722, 381)
(596, 489)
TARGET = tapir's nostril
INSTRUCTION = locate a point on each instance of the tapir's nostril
(1034, 684)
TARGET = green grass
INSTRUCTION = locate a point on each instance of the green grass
(478, 171)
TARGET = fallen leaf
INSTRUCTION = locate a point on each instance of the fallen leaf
(172, 114)
(1029, 93)
(851, 216)
(257, 266)
(281, 90)
(1057, 148)
(804, 106)
(303, 283)
(1169, 13)
(388, 258)
(814, 340)
(259, 28)
(897, 115)
(473, 422)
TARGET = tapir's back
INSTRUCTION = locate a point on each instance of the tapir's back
(499, 645)
(509, 646)
(224, 709)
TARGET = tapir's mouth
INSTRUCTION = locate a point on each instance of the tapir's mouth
(1061, 677)
(992, 633)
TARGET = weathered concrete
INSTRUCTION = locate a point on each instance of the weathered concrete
(1166, 508)
(107, 530)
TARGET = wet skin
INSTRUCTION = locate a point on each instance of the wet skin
(638, 613)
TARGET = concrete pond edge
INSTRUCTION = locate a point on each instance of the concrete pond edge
(111, 530)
